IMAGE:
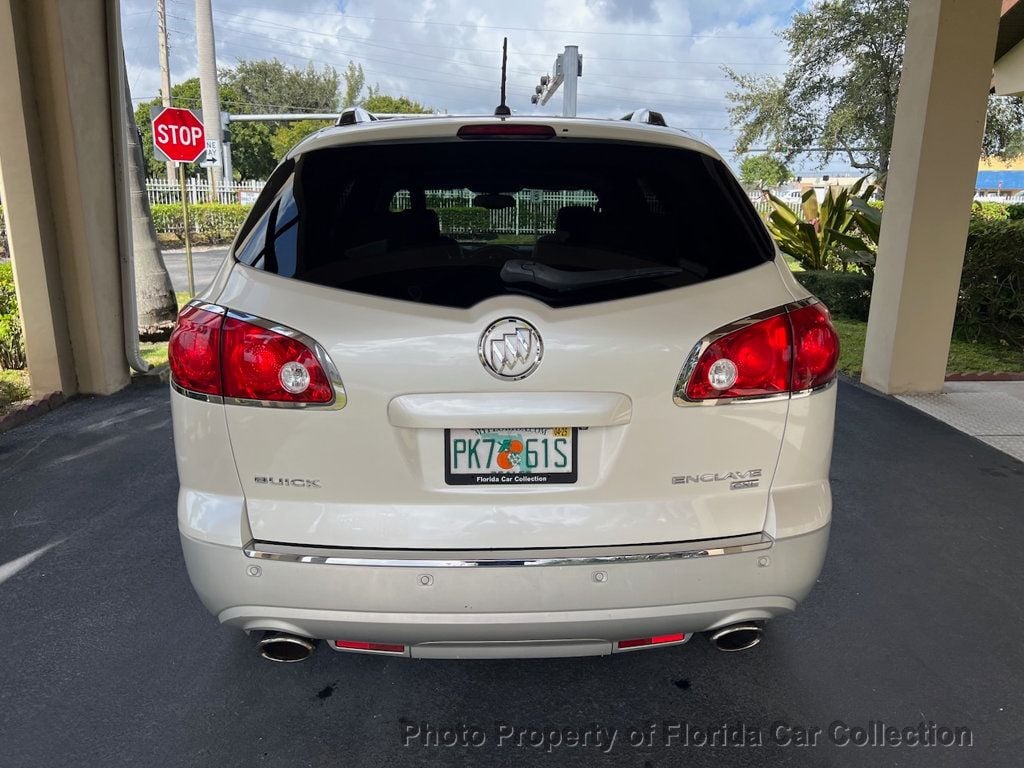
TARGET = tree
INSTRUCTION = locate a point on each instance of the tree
(272, 86)
(839, 93)
(764, 170)
(1004, 127)
(156, 304)
(290, 134)
(381, 102)
(355, 81)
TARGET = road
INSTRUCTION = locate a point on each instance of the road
(205, 263)
(110, 660)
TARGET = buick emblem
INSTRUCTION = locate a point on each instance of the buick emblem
(511, 349)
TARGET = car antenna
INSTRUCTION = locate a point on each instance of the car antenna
(502, 109)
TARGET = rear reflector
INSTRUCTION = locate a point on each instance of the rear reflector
(213, 353)
(506, 131)
(792, 351)
(656, 640)
(358, 645)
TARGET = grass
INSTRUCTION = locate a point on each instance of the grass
(14, 386)
(964, 356)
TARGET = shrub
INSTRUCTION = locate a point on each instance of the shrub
(991, 302)
(210, 223)
(1015, 212)
(846, 294)
(4, 249)
(988, 210)
(12, 346)
(840, 230)
(464, 219)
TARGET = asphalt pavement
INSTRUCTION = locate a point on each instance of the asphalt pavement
(108, 658)
(205, 263)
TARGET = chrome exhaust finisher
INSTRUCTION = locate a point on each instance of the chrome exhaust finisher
(737, 637)
(285, 648)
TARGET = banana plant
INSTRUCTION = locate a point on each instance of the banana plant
(842, 230)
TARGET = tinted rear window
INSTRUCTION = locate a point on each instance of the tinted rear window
(454, 223)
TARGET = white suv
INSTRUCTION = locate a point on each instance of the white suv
(485, 387)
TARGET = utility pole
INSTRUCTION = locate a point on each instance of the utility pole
(165, 68)
(207, 53)
(570, 71)
(568, 68)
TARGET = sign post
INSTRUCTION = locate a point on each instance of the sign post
(178, 136)
(188, 232)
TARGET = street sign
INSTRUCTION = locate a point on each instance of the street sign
(178, 135)
(212, 156)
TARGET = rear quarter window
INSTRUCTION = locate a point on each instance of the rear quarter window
(453, 223)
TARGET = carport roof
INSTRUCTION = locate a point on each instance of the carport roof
(1011, 27)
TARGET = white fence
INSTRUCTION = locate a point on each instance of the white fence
(533, 213)
(198, 190)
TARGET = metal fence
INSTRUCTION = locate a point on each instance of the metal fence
(161, 191)
(534, 211)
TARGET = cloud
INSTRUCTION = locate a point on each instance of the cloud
(663, 54)
(626, 10)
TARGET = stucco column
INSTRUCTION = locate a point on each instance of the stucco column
(57, 170)
(940, 119)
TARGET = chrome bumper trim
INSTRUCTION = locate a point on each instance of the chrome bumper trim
(686, 550)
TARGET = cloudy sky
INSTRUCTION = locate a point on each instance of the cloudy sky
(665, 54)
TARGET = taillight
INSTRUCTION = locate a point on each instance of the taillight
(260, 364)
(816, 347)
(213, 352)
(194, 351)
(792, 351)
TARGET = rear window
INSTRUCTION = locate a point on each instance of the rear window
(454, 223)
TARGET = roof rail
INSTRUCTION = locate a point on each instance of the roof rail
(355, 115)
(648, 116)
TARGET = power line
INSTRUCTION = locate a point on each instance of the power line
(610, 33)
(688, 99)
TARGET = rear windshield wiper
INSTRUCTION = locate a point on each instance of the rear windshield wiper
(523, 271)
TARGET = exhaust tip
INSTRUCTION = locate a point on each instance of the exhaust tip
(737, 637)
(285, 648)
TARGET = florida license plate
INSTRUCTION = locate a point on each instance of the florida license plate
(510, 456)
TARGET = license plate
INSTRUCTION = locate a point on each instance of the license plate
(510, 456)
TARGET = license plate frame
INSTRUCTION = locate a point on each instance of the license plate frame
(511, 478)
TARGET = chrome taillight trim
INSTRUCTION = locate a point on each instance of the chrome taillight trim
(340, 399)
(683, 380)
(686, 550)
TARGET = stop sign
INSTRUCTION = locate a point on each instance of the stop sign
(179, 135)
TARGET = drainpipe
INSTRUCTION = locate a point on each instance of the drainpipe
(120, 107)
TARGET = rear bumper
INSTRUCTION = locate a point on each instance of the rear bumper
(551, 609)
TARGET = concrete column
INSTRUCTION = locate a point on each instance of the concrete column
(57, 182)
(940, 119)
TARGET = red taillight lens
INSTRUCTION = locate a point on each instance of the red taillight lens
(215, 354)
(793, 351)
(260, 364)
(194, 351)
(761, 356)
(506, 131)
(816, 347)
(656, 640)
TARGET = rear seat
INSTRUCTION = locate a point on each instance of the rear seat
(403, 230)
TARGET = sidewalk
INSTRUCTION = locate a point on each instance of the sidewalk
(992, 411)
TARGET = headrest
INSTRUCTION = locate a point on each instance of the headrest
(575, 219)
